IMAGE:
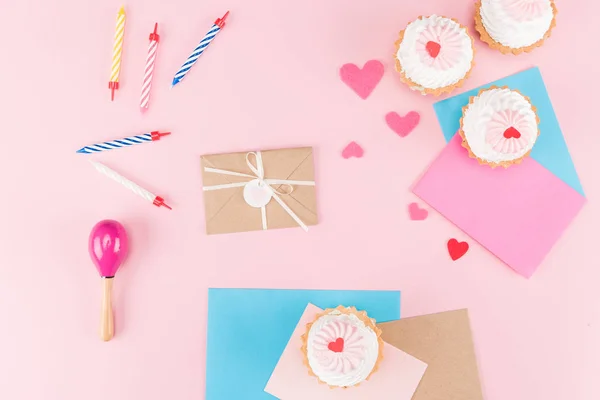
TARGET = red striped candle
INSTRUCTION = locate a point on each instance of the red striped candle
(149, 69)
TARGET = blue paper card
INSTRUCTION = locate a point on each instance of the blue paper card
(550, 149)
(248, 329)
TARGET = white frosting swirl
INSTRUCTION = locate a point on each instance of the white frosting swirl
(448, 64)
(500, 125)
(341, 350)
(516, 23)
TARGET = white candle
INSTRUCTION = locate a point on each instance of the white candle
(140, 191)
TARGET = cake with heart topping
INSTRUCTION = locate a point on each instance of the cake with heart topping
(434, 54)
(342, 347)
(515, 26)
(499, 126)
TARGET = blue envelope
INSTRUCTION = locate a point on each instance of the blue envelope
(550, 149)
(248, 329)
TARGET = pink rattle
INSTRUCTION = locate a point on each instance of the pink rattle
(108, 249)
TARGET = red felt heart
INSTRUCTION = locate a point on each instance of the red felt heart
(402, 125)
(364, 80)
(457, 249)
(337, 346)
(433, 48)
(512, 133)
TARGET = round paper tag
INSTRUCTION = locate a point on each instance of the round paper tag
(257, 194)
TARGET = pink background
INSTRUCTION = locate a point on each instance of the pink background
(269, 80)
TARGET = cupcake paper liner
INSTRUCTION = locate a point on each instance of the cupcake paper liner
(362, 315)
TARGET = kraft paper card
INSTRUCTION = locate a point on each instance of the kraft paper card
(445, 343)
(259, 190)
(517, 213)
(248, 329)
(397, 377)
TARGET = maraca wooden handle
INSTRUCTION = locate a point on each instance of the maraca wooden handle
(107, 322)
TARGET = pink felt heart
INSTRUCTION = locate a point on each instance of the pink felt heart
(364, 80)
(352, 150)
(417, 213)
(402, 125)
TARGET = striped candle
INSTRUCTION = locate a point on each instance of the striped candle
(191, 60)
(113, 84)
(125, 142)
(149, 69)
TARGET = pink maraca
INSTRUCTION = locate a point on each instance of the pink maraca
(108, 248)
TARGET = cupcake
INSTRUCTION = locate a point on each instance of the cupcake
(434, 54)
(499, 126)
(342, 347)
(515, 26)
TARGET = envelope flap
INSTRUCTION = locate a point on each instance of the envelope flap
(305, 195)
(235, 162)
(234, 215)
(216, 200)
(280, 164)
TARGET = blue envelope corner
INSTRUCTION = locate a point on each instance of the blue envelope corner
(550, 149)
(248, 329)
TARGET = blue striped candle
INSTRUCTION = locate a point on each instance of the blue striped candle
(125, 142)
(191, 60)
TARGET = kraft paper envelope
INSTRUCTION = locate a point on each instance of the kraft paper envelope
(226, 209)
(445, 343)
(397, 377)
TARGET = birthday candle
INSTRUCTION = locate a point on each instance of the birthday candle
(191, 60)
(113, 84)
(118, 143)
(149, 69)
(140, 191)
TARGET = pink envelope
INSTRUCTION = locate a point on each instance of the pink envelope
(516, 213)
(398, 376)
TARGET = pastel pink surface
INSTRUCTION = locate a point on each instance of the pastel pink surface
(270, 79)
(402, 125)
(362, 80)
(398, 376)
(108, 246)
(517, 213)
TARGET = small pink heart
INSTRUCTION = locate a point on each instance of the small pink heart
(352, 150)
(402, 125)
(417, 213)
(364, 80)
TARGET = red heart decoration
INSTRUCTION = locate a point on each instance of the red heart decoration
(364, 80)
(337, 346)
(512, 133)
(433, 48)
(457, 249)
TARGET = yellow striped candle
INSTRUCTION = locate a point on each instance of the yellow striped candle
(113, 84)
